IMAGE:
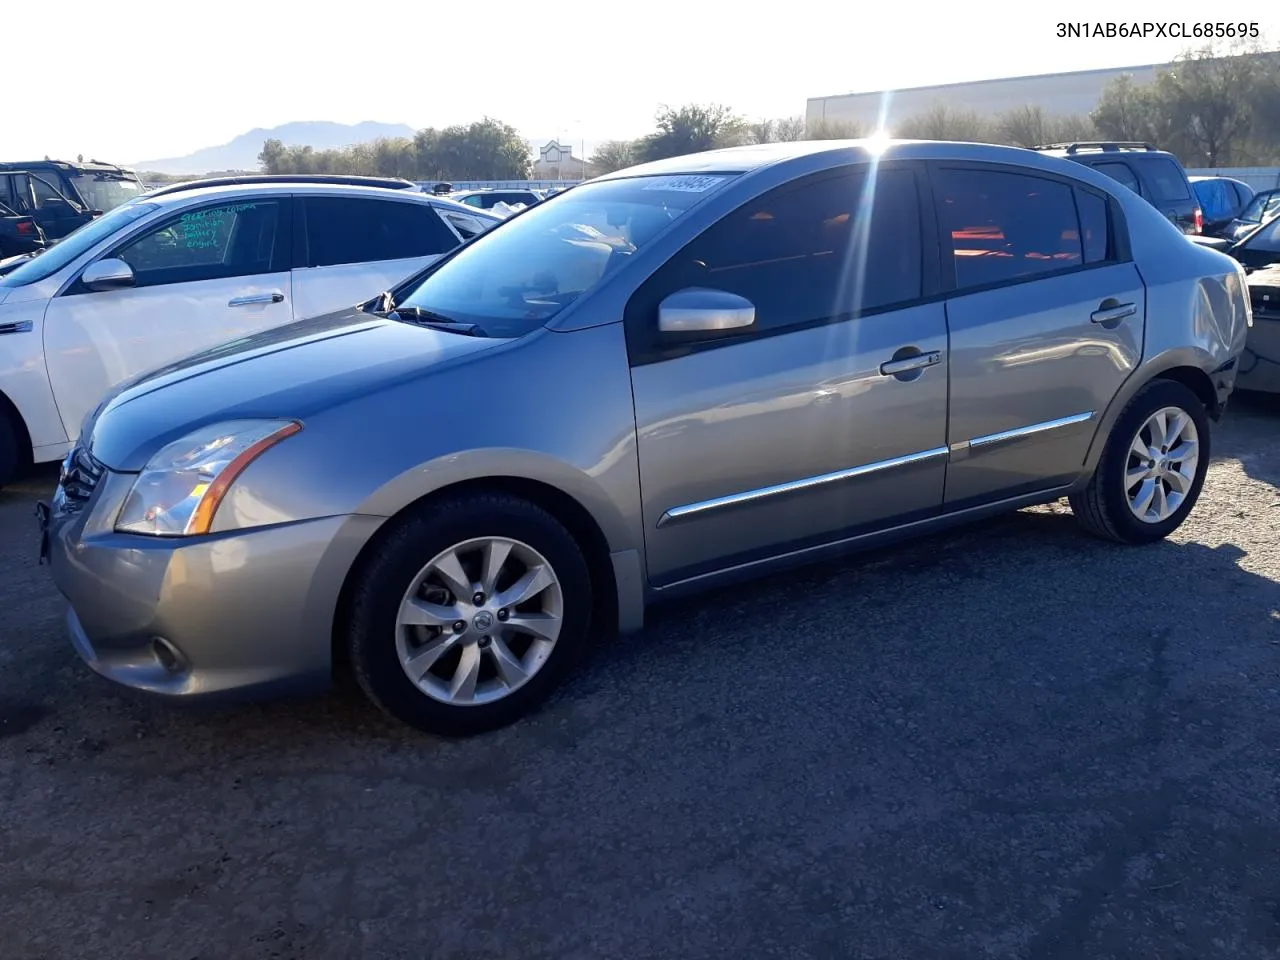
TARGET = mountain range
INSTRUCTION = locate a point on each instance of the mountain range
(242, 152)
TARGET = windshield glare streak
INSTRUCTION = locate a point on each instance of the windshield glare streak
(513, 280)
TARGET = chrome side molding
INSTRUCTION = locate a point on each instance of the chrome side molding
(1020, 432)
(703, 507)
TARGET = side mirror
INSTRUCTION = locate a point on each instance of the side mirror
(704, 310)
(109, 274)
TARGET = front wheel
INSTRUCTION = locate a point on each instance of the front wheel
(1152, 469)
(469, 614)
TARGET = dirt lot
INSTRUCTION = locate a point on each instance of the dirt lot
(1011, 743)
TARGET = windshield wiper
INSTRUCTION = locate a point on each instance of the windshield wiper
(436, 321)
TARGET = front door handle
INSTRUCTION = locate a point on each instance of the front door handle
(1113, 312)
(892, 368)
(274, 297)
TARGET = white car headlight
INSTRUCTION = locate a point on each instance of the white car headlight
(180, 489)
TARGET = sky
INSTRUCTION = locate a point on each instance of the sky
(186, 75)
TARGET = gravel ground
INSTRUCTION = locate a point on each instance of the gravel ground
(1014, 742)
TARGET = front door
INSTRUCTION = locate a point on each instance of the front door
(204, 276)
(1046, 321)
(795, 432)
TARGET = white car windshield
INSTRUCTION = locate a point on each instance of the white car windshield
(519, 275)
(75, 243)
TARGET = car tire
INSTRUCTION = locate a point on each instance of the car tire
(9, 448)
(495, 670)
(1136, 500)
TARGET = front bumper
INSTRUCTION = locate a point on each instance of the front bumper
(241, 614)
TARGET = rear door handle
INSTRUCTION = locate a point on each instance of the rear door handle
(1114, 314)
(891, 368)
(274, 297)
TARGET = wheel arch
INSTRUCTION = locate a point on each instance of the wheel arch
(25, 453)
(1186, 367)
(582, 524)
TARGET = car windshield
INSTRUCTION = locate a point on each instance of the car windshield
(1262, 206)
(105, 192)
(518, 276)
(75, 243)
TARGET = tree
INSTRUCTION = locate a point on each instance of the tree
(691, 129)
(942, 122)
(1205, 98)
(788, 129)
(834, 130)
(611, 156)
(1126, 111)
(762, 131)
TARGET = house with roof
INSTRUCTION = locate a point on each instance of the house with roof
(557, 162)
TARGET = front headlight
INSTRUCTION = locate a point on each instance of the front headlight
(180, 490)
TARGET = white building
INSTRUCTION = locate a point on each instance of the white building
(557, 162)
(1058, 94)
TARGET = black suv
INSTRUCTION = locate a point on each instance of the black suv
(1155, 175)
(60, 196)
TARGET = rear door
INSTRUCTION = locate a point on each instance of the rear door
(205, 275)
(352, 248)
(1046, 315)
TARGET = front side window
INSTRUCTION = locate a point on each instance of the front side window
(520, 274)
(827, 249)
(1007, 226)
(1167, 180)
(228, 240)
(47, 196)
(350, 230)
(76, 243)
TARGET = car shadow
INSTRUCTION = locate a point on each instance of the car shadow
(1261, 410)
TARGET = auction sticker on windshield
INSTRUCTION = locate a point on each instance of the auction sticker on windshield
(686, 184)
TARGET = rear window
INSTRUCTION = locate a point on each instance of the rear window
(1167, 179)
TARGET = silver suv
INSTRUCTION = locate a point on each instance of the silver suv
(678, 374)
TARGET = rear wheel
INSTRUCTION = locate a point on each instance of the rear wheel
(1152, 469)
(470, 613)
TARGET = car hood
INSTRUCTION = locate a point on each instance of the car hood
(287, 372)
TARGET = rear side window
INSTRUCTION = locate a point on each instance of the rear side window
(820, 250)
(1093, 226)
(1008, 226)
(1167, 179)
(1120, 172)
(348, 230)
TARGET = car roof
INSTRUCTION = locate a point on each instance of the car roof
(1227, 179)
(90, 166)
(820, 153)
(300, 188)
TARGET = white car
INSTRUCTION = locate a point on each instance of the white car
(165, 276)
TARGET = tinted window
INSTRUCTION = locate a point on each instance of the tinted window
(1267, 239)
(1120, 172)
(1007, 226)
(1093, 222)
(1167, 180)
(1261, 206)
(1244, 193)
(346, 230)
(820, 250)
(467, 226)
(229, 240)
(45, 192)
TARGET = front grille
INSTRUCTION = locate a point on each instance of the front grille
(81, 472)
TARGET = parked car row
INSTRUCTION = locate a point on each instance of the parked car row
(190, 267)
(690, 371)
